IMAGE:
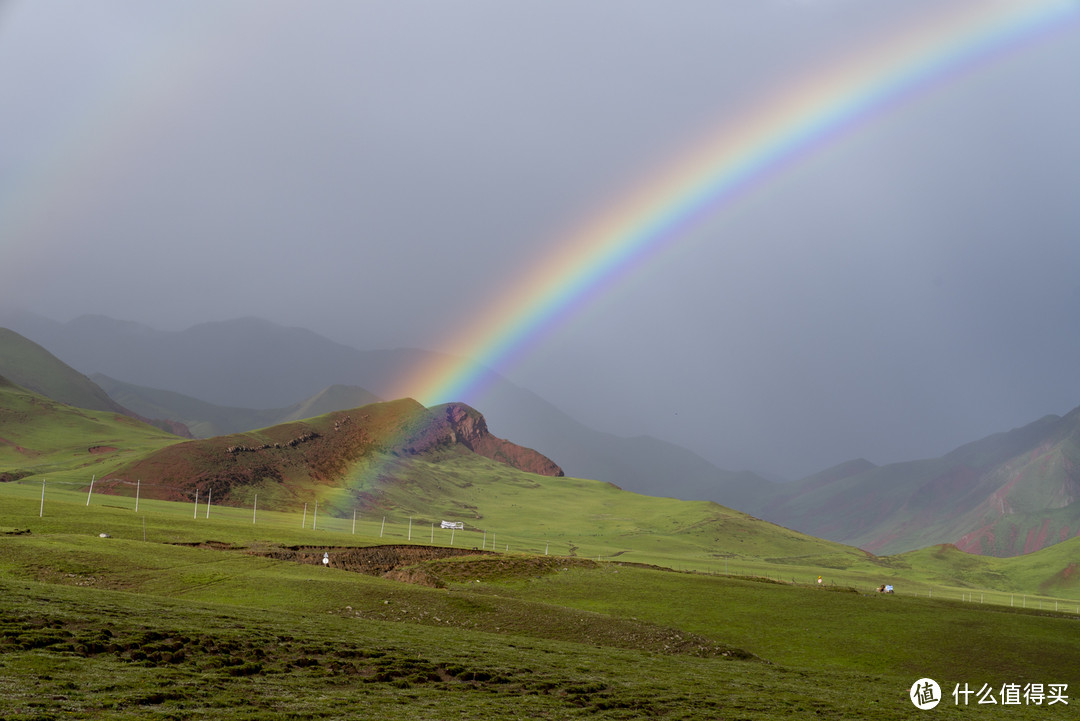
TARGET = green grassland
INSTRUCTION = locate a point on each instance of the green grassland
(581, 600)
(120, 627)
(42, 437)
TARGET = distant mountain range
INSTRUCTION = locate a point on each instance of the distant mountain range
(250, 372)
(1007, 494)
(36, 369)
(32, 367)
(206, 419)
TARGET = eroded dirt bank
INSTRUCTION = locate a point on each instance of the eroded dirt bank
(373, 560)
(389, 561)
(409, 563)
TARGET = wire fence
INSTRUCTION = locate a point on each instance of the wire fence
(328, 526)
(309, 516)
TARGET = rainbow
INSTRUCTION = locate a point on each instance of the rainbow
(84, 160)
(790, 126)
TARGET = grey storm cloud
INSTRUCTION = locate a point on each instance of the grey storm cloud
(377, 172)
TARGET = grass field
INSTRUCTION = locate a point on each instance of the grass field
(123, 627)
(42, 437)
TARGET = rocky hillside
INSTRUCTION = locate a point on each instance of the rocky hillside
(458, 423)
(324, 450)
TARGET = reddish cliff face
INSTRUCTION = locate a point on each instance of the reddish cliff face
(458, 423)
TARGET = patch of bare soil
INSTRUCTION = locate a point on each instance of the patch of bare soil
(216, 545)
(390, 561)
(421, 564)
(18, 448)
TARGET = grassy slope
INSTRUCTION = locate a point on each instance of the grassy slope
(597, 519)
(1053, 570)
(133, 629)
(497, 503)
(41, 437)
(284, 474)
(29, 365)
(501, 507)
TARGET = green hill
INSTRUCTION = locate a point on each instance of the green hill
(345, 453)
(1054, 570)
(34, 368)
(422, 466)
(40, 436)
(397, 457)
(404, 459)
(428, 465)
(182, 616)
(558, 597)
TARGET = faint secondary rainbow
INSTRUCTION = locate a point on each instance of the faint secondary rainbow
(103, 134)
(769, 138)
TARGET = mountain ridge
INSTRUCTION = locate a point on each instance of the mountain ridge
(206, 420)
(253, 363)
(29, 365)
(1006, 494)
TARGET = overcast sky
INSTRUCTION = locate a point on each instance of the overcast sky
(379, 172)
